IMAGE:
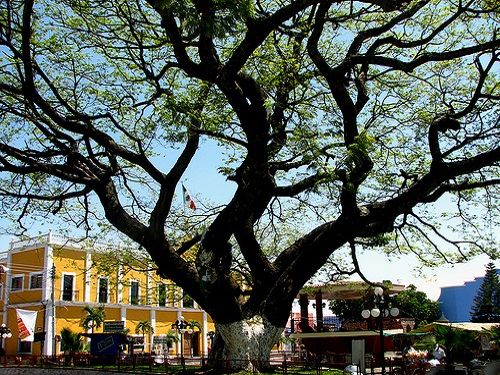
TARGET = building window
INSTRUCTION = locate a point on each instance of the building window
(162, 294)
(134, 292)
(102, 290)
(187, 301)
(24, 347)
(67, 289)
(16, 283)
(36, 281)
(171, 295)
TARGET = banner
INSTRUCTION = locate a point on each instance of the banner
(26, 320)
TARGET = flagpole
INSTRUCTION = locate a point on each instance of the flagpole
(183, 188)
(183, 195)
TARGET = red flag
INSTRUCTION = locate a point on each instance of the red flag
(187, 198)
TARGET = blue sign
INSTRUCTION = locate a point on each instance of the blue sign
(106, 343)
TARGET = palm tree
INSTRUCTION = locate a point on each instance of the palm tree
(171, 338)
(71, 343)
(194, 324)
(456, 342)
(94, 318)
(144, 326)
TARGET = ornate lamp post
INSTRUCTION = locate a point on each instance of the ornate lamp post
(381, 310)
(181, 326)
(5, 333)
(211, 336)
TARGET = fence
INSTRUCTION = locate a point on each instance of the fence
(286, 363)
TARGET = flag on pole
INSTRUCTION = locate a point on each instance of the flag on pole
(26, 320)
(188, 200)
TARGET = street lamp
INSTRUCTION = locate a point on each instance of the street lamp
(181, 326)
(381, 310)
(5, 333)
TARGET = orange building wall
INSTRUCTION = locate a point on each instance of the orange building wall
(69, 313)
(24, 263)
(10, 344)
(134, 275)
(70, 261)
(102, 266)
(164, 320)
(69, 317)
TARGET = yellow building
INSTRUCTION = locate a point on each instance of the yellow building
(58, 277)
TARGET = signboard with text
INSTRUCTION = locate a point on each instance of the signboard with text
(157, 340)
(106, 343)
(114, 326)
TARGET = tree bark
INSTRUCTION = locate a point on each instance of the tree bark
(244, 345)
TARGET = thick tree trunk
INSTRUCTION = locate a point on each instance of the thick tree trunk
(244, 345)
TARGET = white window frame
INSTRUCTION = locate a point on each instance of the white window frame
(17, 276)
(165, 285)
(32, 274)
(172, 293)
(72, 286)
(24, 343)
(99, 289)
(131, 281)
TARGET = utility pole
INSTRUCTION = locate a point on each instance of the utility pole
(44, 331)
(52, 300)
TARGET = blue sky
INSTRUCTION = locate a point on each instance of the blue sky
(205, 184)
(378, 267)
(406, 271)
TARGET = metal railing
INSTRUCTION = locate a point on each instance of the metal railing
(69, 295)
(280, 362)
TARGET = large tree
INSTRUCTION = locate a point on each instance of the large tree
(417, 305)
(342, 123)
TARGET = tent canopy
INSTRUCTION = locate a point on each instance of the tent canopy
(347, 290)
(466, 326)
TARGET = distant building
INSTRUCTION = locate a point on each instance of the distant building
(456, 301)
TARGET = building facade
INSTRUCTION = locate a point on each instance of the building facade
(456, 301)
(58, 277)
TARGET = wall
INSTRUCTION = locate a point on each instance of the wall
(456, 301)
